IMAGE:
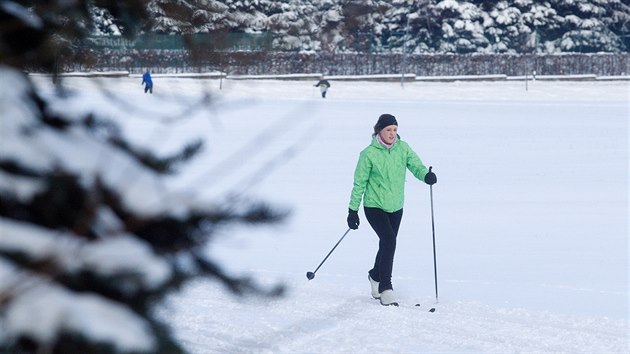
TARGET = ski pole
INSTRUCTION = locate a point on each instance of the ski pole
(434, 254)
(311, 275)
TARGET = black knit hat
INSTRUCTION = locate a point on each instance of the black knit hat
(383, 121)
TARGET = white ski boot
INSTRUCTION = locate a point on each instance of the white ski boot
(388, 298)
(374, 285)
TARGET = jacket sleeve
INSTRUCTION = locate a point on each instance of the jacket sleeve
(415, 165)
(361, 176)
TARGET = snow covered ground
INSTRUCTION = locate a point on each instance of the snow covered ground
(531, 212)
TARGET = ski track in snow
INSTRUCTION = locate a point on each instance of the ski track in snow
(301, 323)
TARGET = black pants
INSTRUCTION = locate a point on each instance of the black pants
(386, 227)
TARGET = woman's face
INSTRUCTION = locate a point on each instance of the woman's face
(388, 134)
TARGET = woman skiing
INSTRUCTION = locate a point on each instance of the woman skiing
(379, 179)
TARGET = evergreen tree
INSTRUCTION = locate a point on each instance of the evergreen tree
(434, 26)
(331, 21)
(85, 255)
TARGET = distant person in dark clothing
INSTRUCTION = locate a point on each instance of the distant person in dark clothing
(323, 86)
(146, 80)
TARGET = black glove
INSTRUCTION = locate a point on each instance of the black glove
(430, 177)
(353, 219)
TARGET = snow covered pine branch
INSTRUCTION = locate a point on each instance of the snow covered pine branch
(91, 241)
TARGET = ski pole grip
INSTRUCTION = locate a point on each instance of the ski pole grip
(430, 168)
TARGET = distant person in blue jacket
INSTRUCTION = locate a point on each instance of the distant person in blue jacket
(323, 86)
(146, 80)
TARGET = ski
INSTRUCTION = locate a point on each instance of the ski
(432, 309)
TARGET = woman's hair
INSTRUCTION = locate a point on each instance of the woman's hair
(384, 120)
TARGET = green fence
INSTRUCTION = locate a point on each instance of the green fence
(217, 41)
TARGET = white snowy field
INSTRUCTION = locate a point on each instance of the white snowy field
(531, 212)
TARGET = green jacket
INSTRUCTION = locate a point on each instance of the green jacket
(380, 176)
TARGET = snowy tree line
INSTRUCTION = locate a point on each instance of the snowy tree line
(415, 26)
(372, 37)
